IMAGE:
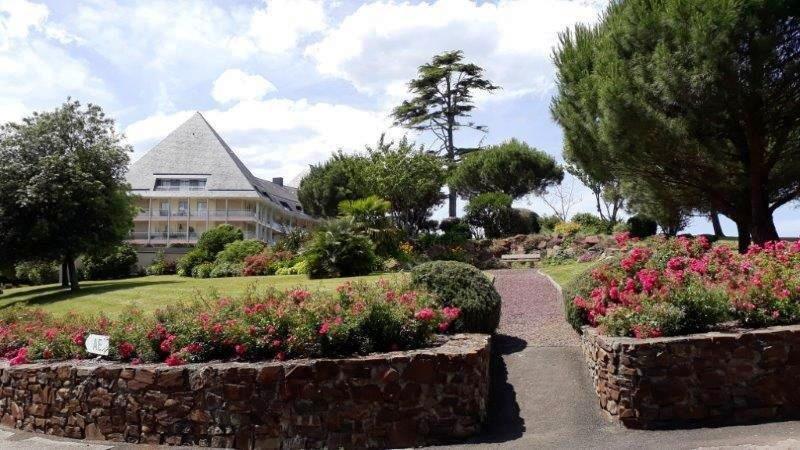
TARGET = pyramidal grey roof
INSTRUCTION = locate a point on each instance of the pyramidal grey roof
(195, 148)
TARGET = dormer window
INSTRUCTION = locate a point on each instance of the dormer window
(180, 184)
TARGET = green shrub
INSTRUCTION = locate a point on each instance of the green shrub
(117, 263)
(203, 270)
(567, 228)
(702, 307)
(237, 251)
(224, 269)
(37, 272)
(524, 221)
(548, 223)
(194, 257)
(621, 227)
(454, 231)
(492, 212)
(591, 223)
(642, 226)
(214, 240)
(338, 250)
(160, 265)
(465, 287)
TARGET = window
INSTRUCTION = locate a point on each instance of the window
(176, 184)
(164, 210)
(202, 207)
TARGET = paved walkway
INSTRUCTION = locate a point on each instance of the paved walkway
(542, 396)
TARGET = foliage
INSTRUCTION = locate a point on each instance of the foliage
(454, 231)
(690, 98)
(441, 101)
(591, 224)
(681, 285)
(512, 167)
(328, 184)
(641, 226)
(524, 221)
(370, 216)
(160, 266)
(118, 263)
(606, 188)
(465, 287)
(214, 240)
(659, 205)
(548, 223)
(186, 264)
(62, 186)
(409, 178)
(237, 251)
(359, 318)
(338, 250)
(36, 272)
(490, 211)
(263, 263)
(567, 228)
(223, 269)
(293, 241)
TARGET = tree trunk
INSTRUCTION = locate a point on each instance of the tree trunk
(743, 229)
(73, 275)
(64, 274)
(452, 197)
(762, 227)
(714, 216)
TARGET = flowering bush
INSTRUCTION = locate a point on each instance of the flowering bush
(358, 318)
(676, 286)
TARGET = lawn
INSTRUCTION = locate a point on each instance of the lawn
(152, 292)
(565, 273)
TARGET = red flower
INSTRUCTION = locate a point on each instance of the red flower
(193, 348)
(47, 353)
(174, 360)
(50, 334)
(324, 328)
(125, 349)
(77, 338)
(451, 312)
(166, 344)
(240, 349)
(443, 326)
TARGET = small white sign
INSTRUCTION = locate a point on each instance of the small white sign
(97, 344)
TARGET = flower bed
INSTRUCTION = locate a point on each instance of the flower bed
(668, 287)
(359, 318)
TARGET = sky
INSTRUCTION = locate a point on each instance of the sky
(288, 82)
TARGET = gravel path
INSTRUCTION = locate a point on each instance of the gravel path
(532, 309)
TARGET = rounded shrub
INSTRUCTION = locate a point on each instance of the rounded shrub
(524, 221)
(465, 287)
(36, 272)
(193, 258)
(214, 240)
(237, 251)
(642, 226)
(591, 223)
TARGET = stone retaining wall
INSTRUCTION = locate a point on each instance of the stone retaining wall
(701, 379)
(397, 399)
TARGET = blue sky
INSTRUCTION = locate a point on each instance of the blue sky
(287, 82)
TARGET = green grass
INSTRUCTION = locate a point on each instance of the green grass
(149, 293)
(565, 273)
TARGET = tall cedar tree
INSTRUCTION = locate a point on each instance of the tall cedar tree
(442, 100)
(697, 99)
(62, 187)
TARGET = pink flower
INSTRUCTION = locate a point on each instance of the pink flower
(648, 278)
(699, 266)
(20, 358)
(166, 344)
(299, 295)
(50, 334)
(193, 348)
(125, 349)
(424, 314)
(77, 338)
(622, 239)
(324, 328)
(580, 302)
(174, 360)
(240, 349)
(451, 312)
(443, 326)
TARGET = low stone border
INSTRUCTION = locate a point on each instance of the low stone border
(702, 379)
(397, 399)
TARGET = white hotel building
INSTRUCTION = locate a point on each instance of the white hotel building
(192, 181)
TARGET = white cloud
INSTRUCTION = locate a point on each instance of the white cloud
(382, 43)
(17, 18)
(36, 71)
(235, 84)
(278, 27)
